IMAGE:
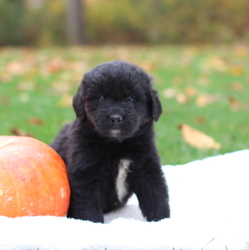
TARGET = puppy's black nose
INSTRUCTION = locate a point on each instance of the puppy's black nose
(116, 118)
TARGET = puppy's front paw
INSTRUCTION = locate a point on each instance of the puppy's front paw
(85, 214)
(94, 218)
(159, 214)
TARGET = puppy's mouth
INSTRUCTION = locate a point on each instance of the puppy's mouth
(115, 133)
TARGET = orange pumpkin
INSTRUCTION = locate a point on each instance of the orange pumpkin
(33, 178)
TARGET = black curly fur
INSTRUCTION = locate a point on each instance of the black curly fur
(115, 108)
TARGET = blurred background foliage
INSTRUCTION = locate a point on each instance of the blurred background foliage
(196, 50)
(43, 23)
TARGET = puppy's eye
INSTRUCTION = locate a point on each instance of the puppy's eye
(100, 98)
(130, 99)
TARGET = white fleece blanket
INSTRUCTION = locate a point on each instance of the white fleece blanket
(209, 202)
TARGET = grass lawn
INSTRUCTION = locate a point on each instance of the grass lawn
(204, 87)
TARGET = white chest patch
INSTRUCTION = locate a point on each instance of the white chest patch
(121, 185)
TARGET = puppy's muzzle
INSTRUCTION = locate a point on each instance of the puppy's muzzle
(116, 118)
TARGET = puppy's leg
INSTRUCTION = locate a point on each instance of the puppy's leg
(152, 193)
(84, 201)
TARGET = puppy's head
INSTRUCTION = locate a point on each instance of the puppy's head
(117, 99)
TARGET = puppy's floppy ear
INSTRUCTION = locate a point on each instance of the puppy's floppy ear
(78, 102)
(154, 105)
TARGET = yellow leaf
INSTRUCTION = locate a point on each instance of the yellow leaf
(22, 86)
(24, 97)
(66, 101)
(16, 67)
(190, 91)
(198, 139)
(147, 65)
(215, 63)
(56, 65)
(169, 93)
(241, 50)
(204, 100)
(237, 86)
(237, 71)
(182, 98)
(236, 105)
(61, 87)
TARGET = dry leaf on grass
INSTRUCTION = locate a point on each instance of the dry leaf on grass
(200, 119)
(4, 100)
(182, 98)
(35, 121)
(169, 93)
(237, 70)
(65, 101)
(147, 65)
(237, 86)
(56, 65)
(197, 139)
(22, 86)
(204, 100)
(19, 132)
(190, 91)
(241, 50)
(235, 105)
(16, 67)
(218, 63)
(61, 87)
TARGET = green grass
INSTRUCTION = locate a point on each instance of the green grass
(39, 84)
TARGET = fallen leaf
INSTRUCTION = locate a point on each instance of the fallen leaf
(147, 66)
(198, 139)
(24, 97)
(181, 98)
(200, 119)
(203, 81)
(61, 87)
(19, 132)
(177, 80)
(4, 100)
(219, 63)
(237, 86)
(16, 67)
(236, 105)
(190, 91)
(65, 101)
(35, 121)
(188, 55)
(56, 65)
(6, 77)
(237, 71)
(22, 86)
(204, 100)
(169, 93)
(214, 63)
(241, 50)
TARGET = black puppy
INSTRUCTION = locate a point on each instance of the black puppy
(109, 148)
